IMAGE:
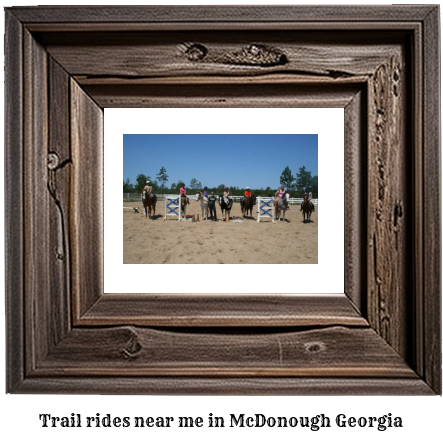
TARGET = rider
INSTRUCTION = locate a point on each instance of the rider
(183, 192)
(205, 192)
(279, 194)
(226, 195)
(309, 193)
(248, 194)
(148, 189)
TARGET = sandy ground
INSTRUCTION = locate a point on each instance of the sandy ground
(172, 241)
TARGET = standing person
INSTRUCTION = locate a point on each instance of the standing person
(309, 193)
(212, 199)
(227, 200)
(248, 194)
(279, 194)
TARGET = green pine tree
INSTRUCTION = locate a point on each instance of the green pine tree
(162, 178)
(303, 179)
(141, 181)
(287, 179)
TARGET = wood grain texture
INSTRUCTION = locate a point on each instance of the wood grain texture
(388, 204)
(14, 238)
(307, 386)
(59, 165)
(38, 306)
(432, 334)
(86, 214)
(226, 14)
(74, 61)
(262, 78)
(355, 196)
(167, 54)
(227, 96)
(171, 26)
(129, 351)
(418, 224)
(205, 310)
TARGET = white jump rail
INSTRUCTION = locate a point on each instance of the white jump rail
(265, 206)
(132, 208)
(172, 205)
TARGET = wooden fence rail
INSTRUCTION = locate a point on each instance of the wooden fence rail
(137, 197)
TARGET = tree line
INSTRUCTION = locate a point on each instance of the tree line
(294, 184)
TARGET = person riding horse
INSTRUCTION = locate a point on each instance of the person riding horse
(309, 195)
(183, 193)
(149, 199)
(225, 203)
(148, 191)
(226, 195)
(279, 194)
(248, 194)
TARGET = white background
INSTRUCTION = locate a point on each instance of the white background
(328, 123)
(19, 413)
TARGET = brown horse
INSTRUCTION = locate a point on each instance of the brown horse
(148, 203)
(307, 209)
(248, 205)
(183, 202)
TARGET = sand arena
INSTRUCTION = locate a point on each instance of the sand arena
(157, 241)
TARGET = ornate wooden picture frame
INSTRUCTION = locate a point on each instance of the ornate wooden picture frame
(64, 65)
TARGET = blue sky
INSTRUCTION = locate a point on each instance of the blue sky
(254, 160)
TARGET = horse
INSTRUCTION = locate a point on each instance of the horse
(148, 203)
(307, 209)
(282, 205)
(248, 205)
(183, 201)
(225, 205)
(204, 204)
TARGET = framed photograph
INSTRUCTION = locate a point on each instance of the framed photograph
(230, 178)
(252, 163)
(65, 65)
(283, 141)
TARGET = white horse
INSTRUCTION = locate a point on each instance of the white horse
(204, 204)
(282, 205)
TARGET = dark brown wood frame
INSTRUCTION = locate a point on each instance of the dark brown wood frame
(64, 65)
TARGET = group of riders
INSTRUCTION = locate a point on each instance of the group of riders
(281, 193)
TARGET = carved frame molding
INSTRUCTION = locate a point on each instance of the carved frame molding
(64, 65)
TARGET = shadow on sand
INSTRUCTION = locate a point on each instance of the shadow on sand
(154, 217)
